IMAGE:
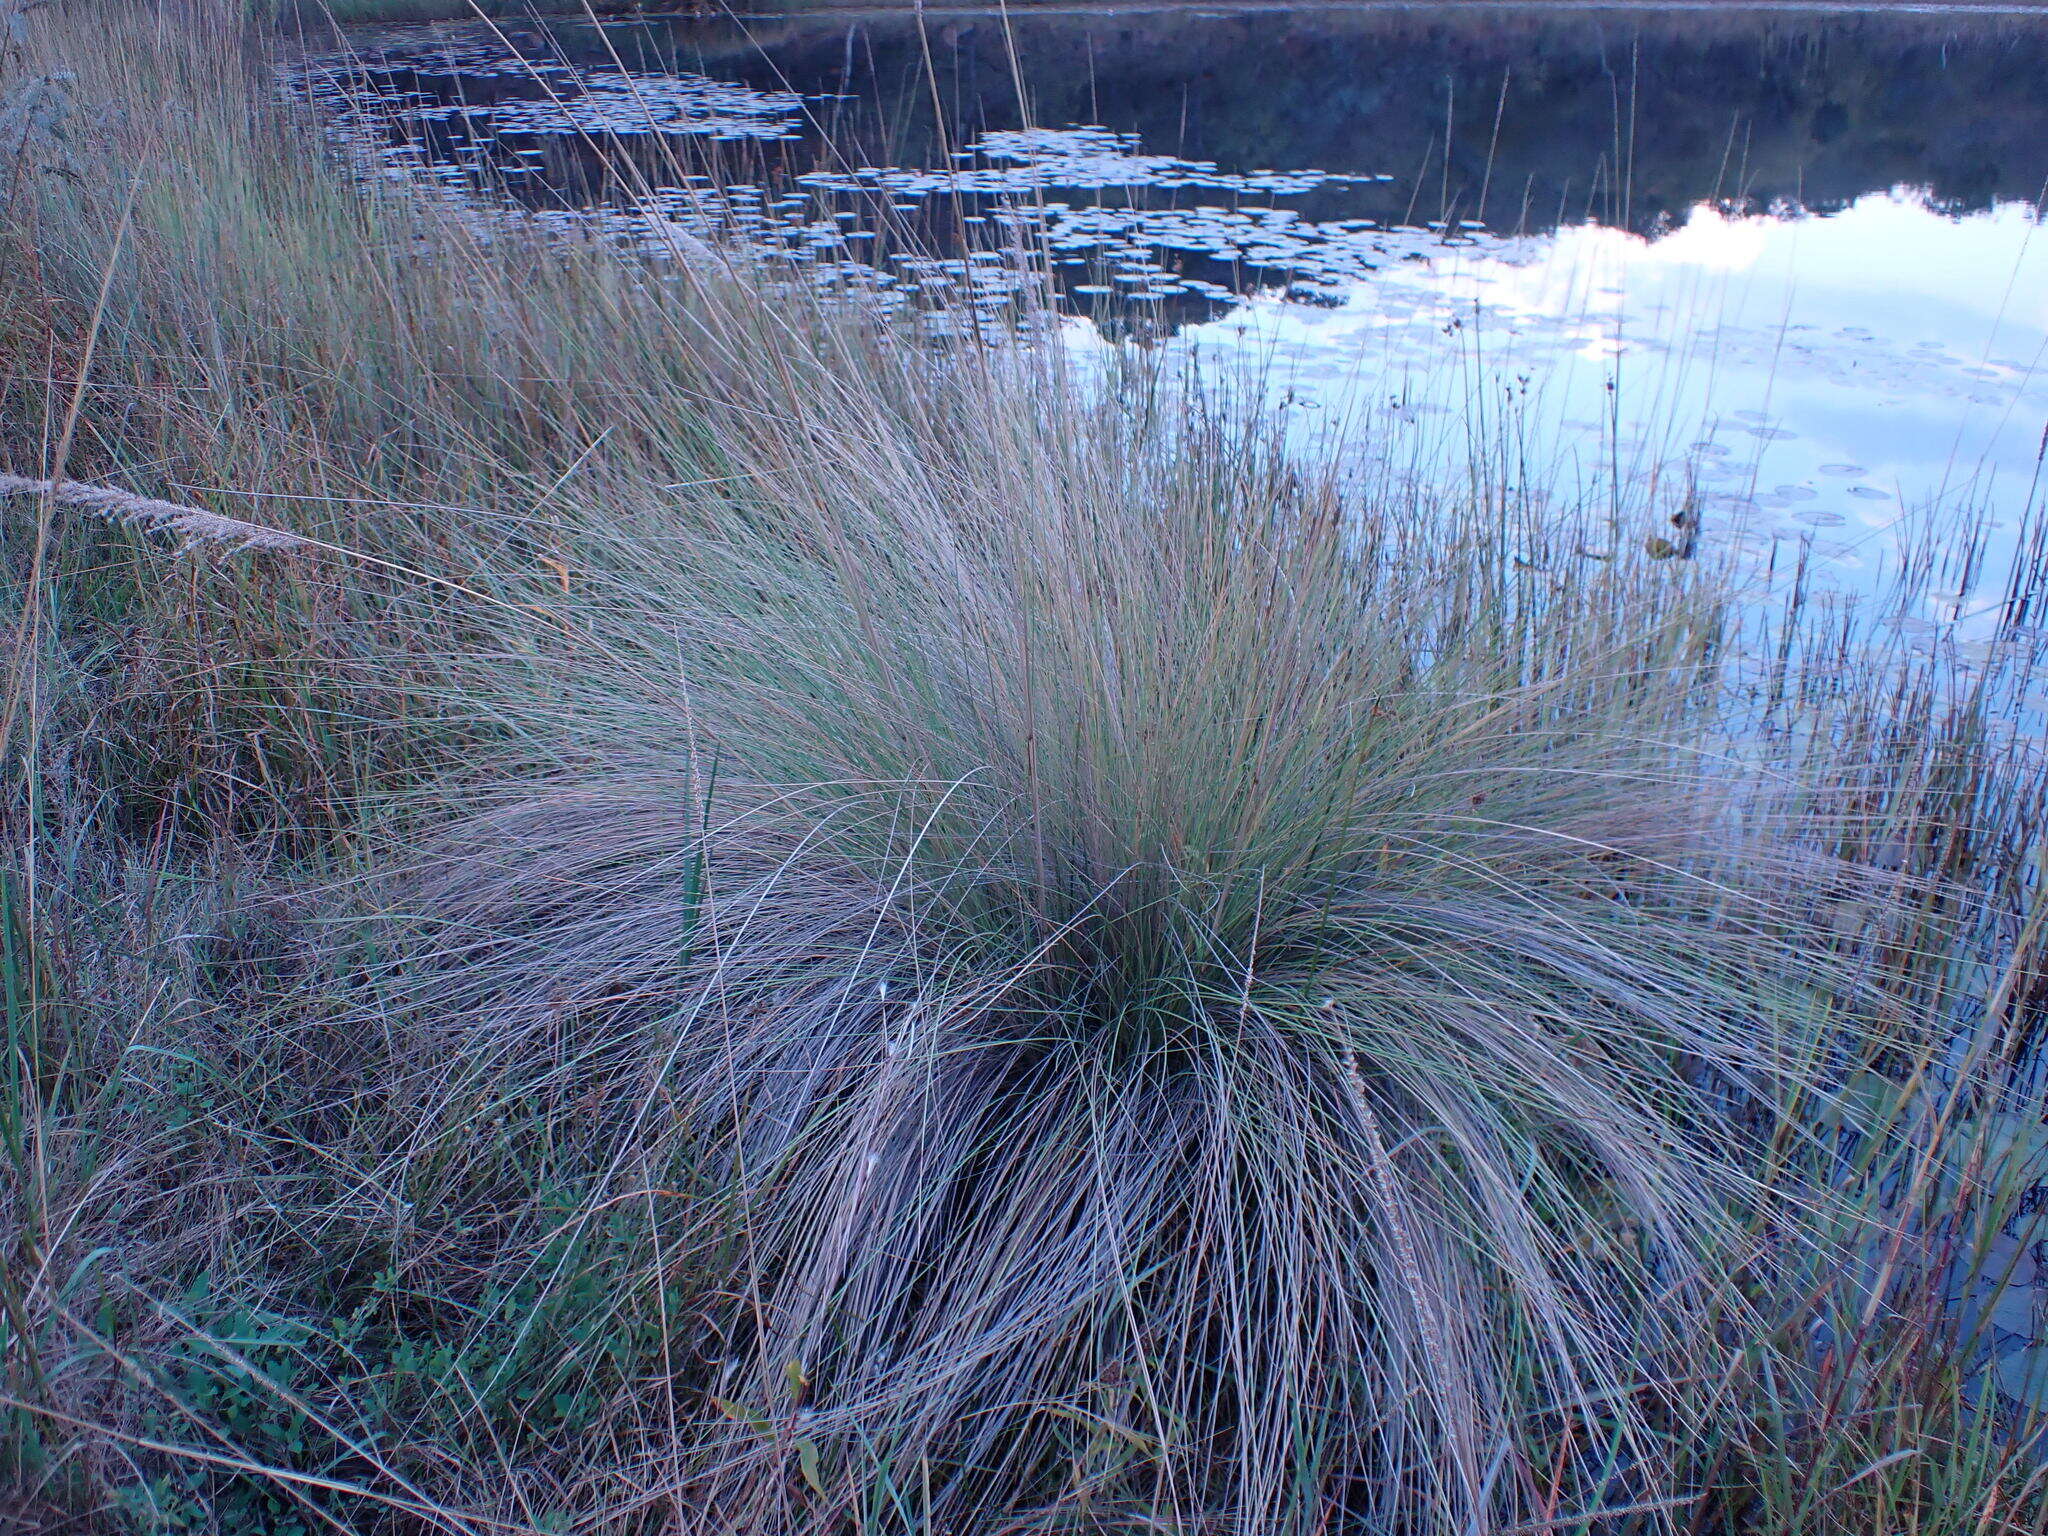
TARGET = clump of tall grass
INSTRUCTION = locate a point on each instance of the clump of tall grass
(790, 933)
(1207, 998)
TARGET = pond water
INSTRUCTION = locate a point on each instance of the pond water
(1787, 266)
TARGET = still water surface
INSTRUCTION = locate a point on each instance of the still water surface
(1788, 266)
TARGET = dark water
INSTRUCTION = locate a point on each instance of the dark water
(1793, 259)
(1519, 119)
(1543, 116)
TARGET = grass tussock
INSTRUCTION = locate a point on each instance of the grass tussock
(734, 922)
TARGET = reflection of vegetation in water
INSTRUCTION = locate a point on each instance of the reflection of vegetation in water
(1550, 118)
(1629, 116)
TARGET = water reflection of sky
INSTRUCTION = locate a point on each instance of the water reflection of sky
(1840, 380)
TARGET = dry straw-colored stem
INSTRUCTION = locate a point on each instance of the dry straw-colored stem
(192, 524)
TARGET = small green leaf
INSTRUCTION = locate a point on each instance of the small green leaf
(807, 1463)
(740, 1414)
